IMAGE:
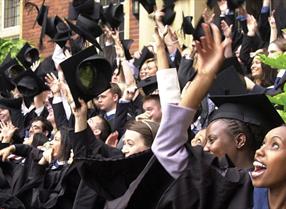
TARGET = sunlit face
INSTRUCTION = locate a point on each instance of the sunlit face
(36, 127)
(154, 110)
(148, 69)
(270, 160)
(133, 143)
(107, 101)
(115, 76)
(4, 115)
(256, 69)
(200, 138)
(273, 50)
(56, 144)
(219, 141)
(51, 116)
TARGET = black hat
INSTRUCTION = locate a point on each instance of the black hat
(45, 67)
(87, 74)
(187, 25)
(233, 4)
(148, 5)
(96, 13)
(29, 84)
(87, 28)
(148, 85)
(253, 109)
(198, 32)
(145, 55)
(10, 103)
(211, 3)
(228, 80)
(72, 14)
(169, 16)
(126, 44)
(83, 6)
(28, 55)
(51, 26)
(113, 15)
(63, 34)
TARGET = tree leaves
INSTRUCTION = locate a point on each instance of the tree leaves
(10, 46)
(278, 62)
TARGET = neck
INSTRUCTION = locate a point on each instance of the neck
(258, 81)
(277, 197)
(243, 159)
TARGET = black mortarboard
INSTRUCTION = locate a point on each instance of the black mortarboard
(113, 15)
(187, 25)
(45, 67)
(28, 55)
(87, 74)
(169, 16)
(211, 3)
(145, 55)
(51, 26)
(83, 6)
(29, 84)
(253, 109)
(72, 14)
(148, 85)
(97, 12)
(198, 32)
(63, 34)
(87, 28)
(148, 5)
(228, 80)
(10, 103)
(233, 4)
(126, 43)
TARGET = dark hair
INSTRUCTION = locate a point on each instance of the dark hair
(115, 90)
(280, 43)
(39, 139)
(147, 129)
(65, 146)
(253, 133)
(47, 126)
(269, 75)
(154, 97)
(104, 127)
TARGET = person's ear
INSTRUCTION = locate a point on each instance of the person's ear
(115, 97)
(240, 140)
(97, 132)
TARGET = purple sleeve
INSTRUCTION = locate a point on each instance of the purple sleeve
(169, 143)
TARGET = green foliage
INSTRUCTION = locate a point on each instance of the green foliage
(10, 46)
(278, 62)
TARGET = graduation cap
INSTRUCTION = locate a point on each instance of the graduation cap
(28, 55)
(29, 84)
(72, 14)
(96, 13)
(113, 15)
(126, 43)
(187, 25)
(63, 34)
(87, 74)
(198, 31)
(148, 85)
(169, 16)
(10, 103)
(51, 26)
(233, 4)
(255, 109)
(45, 67)
(148, 5)
(228, 80)
(83, 6)
(86, 28)
(145, 55)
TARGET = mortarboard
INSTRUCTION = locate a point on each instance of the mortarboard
(86, 28)
(148, 85)
(113, 15)
(45, 67)
(255, 109)
(29, 84)
(170, 14)
(228, 81)
(148, 5)
(63, 34)
(28, 55)
(87, 74)
(10, 103)
(126, 44)
(97, 12)
(198, 31)
(187, 25)
(233, 4)
(72, 14)
(145, 55)
(83, 6)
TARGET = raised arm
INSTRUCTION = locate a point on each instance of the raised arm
(168, 145)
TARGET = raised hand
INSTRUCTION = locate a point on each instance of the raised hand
(6, 132)
(112, 139)
(208, 16)
(251, 25)
(53, 82)
(47, 157)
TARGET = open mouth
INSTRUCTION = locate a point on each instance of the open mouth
(259, 169)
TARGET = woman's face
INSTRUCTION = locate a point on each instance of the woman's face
(148, 69)
(133, 143)
(219, 141)
(4, 115)
(115, 76)
(256, 68)
(56, 144)
(273, 50)
(270, 160)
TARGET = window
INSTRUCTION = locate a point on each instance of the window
(11, 13)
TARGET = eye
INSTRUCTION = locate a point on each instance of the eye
(211, 140)
(275, 146)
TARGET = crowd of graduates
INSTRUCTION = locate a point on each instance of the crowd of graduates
(167, 127)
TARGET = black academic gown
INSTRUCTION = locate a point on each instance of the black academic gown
(209, 183)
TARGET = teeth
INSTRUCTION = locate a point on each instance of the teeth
(258, 164)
